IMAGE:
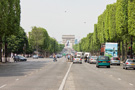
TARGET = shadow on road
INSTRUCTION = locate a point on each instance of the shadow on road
(20, 68)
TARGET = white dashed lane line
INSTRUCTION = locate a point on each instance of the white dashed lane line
(119, 78)
(131, 84)
(3, 86)
(17, 79)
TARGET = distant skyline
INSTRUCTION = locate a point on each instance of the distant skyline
(62, 17)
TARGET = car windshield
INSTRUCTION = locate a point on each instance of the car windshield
(78, 57)
(21, 56)
(94, 57)
(131, 60)
(115, 58)
(104, 58)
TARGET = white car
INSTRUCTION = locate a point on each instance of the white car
(77, 59)
(93, 59)
(35, 56)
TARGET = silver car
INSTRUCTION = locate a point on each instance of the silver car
(77, 59)
(129, 63)
(115, 60)
(93, 59)
(35, 56)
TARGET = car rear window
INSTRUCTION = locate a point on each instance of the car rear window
(131, 60)
(104, 58)
(78, 57)
(115, 58)
(94, 57)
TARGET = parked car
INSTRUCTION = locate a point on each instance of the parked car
(59, 56)
(51, 56)
(92, 59)
(129, 63)
(77, 59)
(115, 60)
(40, 56)
(103, 61)
(19, 58)
(35, 56)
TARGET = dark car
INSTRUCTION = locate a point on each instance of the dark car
(19, 58)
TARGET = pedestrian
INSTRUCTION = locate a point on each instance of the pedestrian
(68, 57)
(54, 58)
(85, 58)
(15, 57)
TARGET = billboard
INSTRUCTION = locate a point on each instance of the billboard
(111, 49)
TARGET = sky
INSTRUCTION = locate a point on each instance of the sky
(62, 17)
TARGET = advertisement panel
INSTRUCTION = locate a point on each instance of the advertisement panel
(111, 49)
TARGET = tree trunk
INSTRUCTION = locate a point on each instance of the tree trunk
(126, 50)
(123, 51)
(6, 51)
(119, 49)
(131, 52)
(0, 49)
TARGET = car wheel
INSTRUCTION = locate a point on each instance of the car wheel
(97, 66)
(73, 62)
(123, 68)
(118, 64)
(80, 62)
(108, 66)
(126, 68)
(134, 68)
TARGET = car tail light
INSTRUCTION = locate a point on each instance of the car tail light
(73, 59)
(99, 61)
(112, 58)
(108, 61)
(80, 59)
(118, 58)
(91, 59)
(126, 63)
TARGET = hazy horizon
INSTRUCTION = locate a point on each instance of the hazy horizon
(62, 17)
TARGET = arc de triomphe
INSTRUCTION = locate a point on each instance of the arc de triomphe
(68, 40)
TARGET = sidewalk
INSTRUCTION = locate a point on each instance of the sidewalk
(8, 60)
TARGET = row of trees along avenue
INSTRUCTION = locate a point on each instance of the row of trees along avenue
(41, 42)
(14, 39)
(115, 24)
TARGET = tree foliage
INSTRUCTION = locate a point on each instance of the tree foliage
(115, 24)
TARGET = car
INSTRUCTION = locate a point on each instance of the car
(59, 56)
(103, 61)
(20, 58)
(129, 63)
(40, 56)
(115, 60)
(92, 59)
(35, 56)
(51, 56)
(77, 59)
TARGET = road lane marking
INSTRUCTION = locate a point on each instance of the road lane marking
(17, 79)
(111, 75)
(64, 80)
(131, 84)
(3, 86)
(119, 78)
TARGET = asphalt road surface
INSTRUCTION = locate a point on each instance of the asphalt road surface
(44, 74)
